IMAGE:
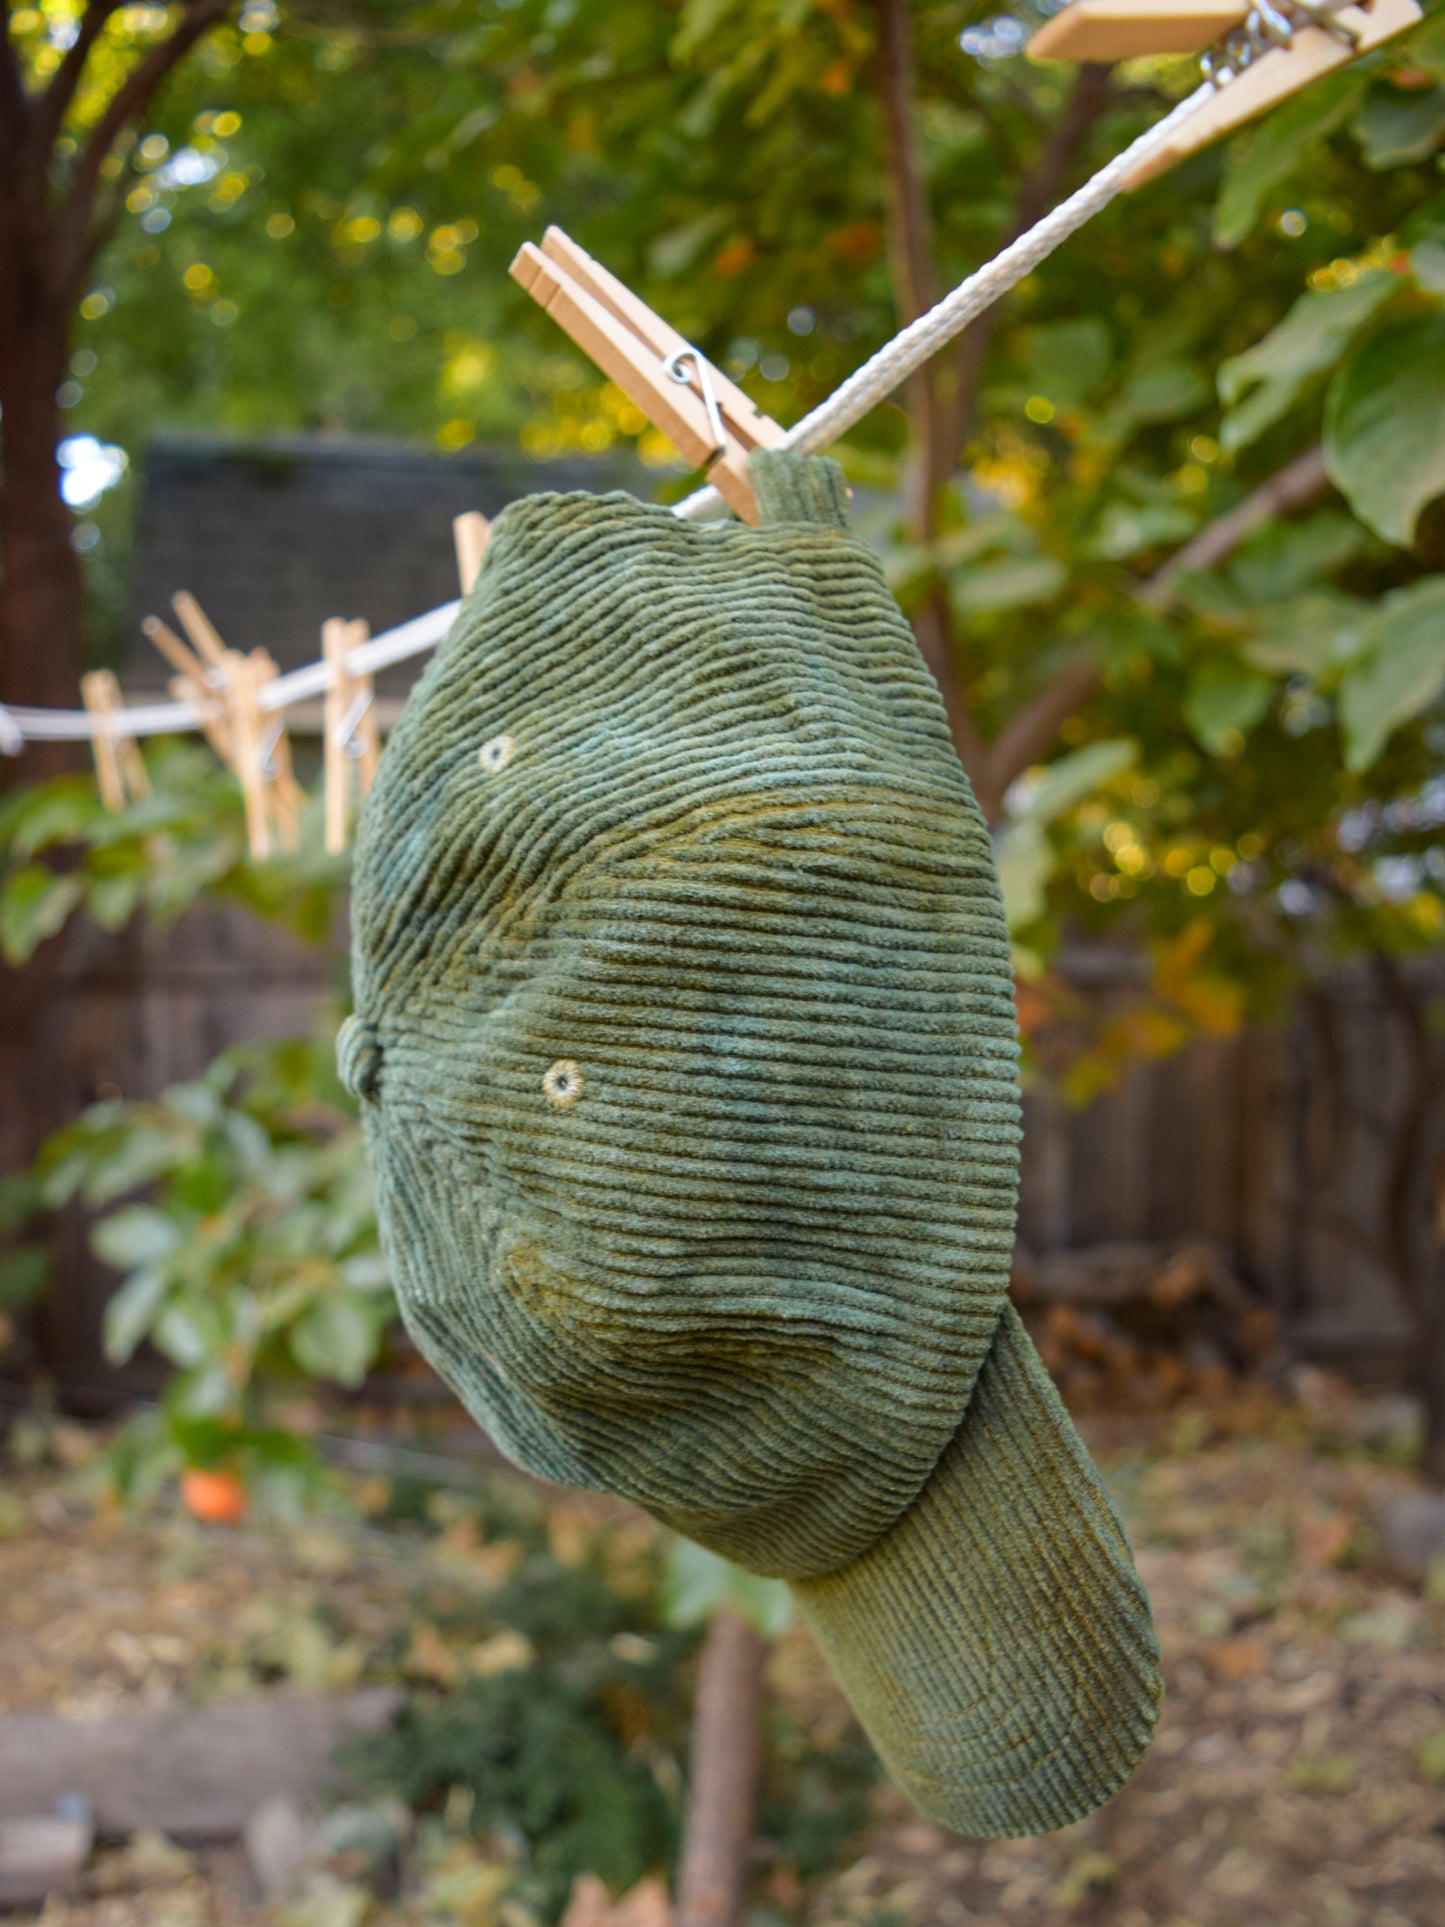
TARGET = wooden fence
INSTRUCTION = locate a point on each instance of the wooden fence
(1227, 1140)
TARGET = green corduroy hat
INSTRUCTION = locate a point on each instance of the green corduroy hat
(685, 1043)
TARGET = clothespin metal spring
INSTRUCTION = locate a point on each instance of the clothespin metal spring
(348, 738)
(1267, 27)
(673, 365)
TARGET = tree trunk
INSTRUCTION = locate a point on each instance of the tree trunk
(726, 1766)
(41, 588)
(1430, 1384)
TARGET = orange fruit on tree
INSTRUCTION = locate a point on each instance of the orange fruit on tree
(215, 1498)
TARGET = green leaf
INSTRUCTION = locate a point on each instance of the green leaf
(335, 1338)
(58, 812)
(1427, 264)
(1016, 583)
(22, 1276)
(673, 252)
(1424, 46)
(187, 1340)
(141, 1154)
(113, 900)
(130, 1312)
(1126, 528)
(1224, 702)
(1314, 636)
(1163, 392)
(34, 904)
(204, 1391)
(1396, 126)
(1310, 339)
(134, 1235)
(366, 1271)
(1025, 862)
(1401, 669)
(1385, 426)
(1074, 777)
(1283, 559)
(697, 1585)
(1067, 360)
(20, 1199)
(1260, 161)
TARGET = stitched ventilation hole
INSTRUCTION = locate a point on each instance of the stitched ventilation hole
(495, 754)
(562, 1084)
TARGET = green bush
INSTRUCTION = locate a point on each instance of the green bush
(239, 1206)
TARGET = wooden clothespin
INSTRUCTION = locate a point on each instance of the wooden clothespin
(193, 683)
(253, 745)
(1109, 30)
(711, 422)
(1259, 54)
(471, 533)
(283, 793)
(353, 740)
(119, 770)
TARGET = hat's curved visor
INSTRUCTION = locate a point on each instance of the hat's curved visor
(996, 1641)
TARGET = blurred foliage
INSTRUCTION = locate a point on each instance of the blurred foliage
(697, 1585)
(568, 1753)
(317, 223)
(62, 851)
(254, 1262)
(316, 237)
(538, 1755)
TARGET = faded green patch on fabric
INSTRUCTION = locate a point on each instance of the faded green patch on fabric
(686, 1047)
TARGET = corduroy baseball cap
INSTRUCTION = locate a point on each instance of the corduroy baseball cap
(685, 1045)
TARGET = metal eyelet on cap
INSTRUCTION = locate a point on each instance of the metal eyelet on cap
(495, 754)
(562, 1084)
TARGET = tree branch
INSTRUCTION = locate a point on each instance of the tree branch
(126, 105)
(912, 266)
(915, 289)
(1026, 737)
(1294, 485)
(14, 108)
(54, 104)
(1087, 100)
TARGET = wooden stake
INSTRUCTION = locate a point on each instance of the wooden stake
(352, 739)
(727, 1751)
(119, 770)
(471, 533)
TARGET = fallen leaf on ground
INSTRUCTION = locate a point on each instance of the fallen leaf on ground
(1237, 1659)
(591, 1905)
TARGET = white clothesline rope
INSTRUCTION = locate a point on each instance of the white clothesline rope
(879, 377)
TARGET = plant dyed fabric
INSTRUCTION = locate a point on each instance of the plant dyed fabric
(686, 1052)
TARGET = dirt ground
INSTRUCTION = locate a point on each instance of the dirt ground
(1298, 1776)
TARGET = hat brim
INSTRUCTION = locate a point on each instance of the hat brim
(997, 1642)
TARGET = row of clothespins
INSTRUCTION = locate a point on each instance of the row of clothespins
(1269, 49)
(224, 687)
(713, 424)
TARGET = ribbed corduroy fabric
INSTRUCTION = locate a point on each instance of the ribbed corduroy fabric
(685, 1040)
